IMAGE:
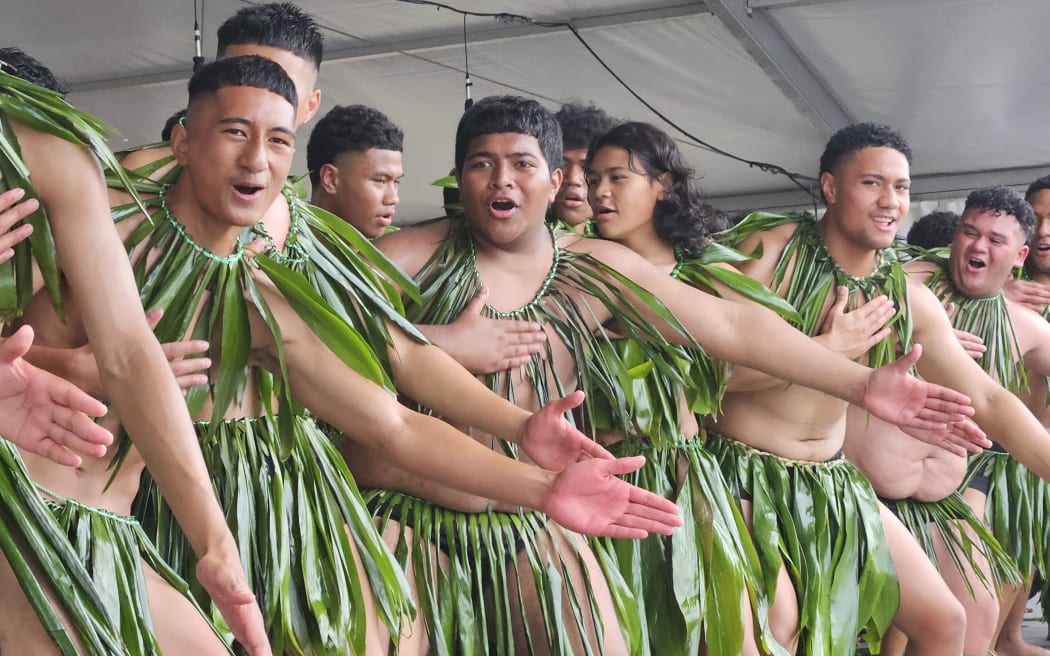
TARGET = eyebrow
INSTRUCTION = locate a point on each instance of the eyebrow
(882, 177)
(491, 155)
(240, 120)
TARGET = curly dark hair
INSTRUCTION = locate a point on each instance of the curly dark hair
(513, 114)
(859, 136)
(681, 218)
(1041, 184)
(1002, 200)
(934, 230)
(347, 129)
(14, 61)
(277, 25)
(580, 124)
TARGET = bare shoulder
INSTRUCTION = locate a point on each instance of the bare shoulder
(772, 241)
(616, 255)
(919, 271)
(1030, 326)
(927, 312)
(48, 156)
(411, 247)
(136, 159)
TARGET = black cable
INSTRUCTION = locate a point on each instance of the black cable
(467, 84)
(796, 178)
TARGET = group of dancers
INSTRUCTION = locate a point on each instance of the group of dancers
(584, 413)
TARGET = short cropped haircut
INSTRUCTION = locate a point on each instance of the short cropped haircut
(248, 71)
(277, 25)
(1041, 184)
(580, 124)
(347, 129)
(14, 61)
(511, 114)
(681, 218)
(934, 230)
(1002, 200)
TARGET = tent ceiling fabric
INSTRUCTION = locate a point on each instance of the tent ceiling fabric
(953, 75)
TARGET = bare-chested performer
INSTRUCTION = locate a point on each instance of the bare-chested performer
(781, 443)
(989, 241)
(234, 151)
(504, 147)
(134, 371)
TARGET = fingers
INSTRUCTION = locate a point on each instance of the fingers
(567, 402)
(10, 236)
(176, 350)
(595, 450)
(82, 429)
(908, 360)
(841, 298)
(55, 453)
(72, 399)
(153, 317)
(948, 401)
(17, 345)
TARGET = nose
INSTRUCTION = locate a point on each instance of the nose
(253, 154)
(500, 175)
(888, 198)
(574, 176)
(392, 197)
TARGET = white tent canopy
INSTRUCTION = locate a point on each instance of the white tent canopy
(767, 80)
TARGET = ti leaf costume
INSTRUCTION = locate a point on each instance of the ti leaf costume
(515, 545)
(75, 548)
(284, 486)
(1017, 500)
(820, 520)
(689, 585)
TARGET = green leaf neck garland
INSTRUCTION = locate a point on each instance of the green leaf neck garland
(450, 279)
(815, 277)
(988, 318)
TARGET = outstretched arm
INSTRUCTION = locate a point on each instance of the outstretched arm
(134, 371)
(998, 412)
(747, 334)
(430, 448)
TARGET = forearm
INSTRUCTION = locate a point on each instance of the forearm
(460, 397)
(1009, 422)
(752, 336)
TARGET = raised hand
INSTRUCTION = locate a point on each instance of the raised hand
(894, 395)
(10, 214)
(43, 413)
(225, 583)
(1032, 294)
(852, 333)
(485, 346)
(588, 498)
(551, 442)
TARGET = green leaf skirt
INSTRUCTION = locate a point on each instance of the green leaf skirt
(821, 520)
(45, 563)
(686, 589)
(471, 570)
(296, 522)
(1015, 509)
(948, 517)
(113, 548)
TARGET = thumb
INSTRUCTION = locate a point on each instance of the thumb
(566, 403)
(16, 345)
(841, 298)
(477, 304)
(908, 360)
(621, 466)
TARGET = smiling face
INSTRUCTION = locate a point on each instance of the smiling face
(362, 189)
(868, 197)
(622, 196)
(237, 149)
(1039, 253)
(505, 186)
(988, 245)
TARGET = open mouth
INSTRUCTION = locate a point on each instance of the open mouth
(1043, 249)
(604, 211)
(503, 205)
(975, 263)
(248, 190)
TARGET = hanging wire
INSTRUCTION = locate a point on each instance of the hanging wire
(198, 57)
(467, 84)
(803, 182)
